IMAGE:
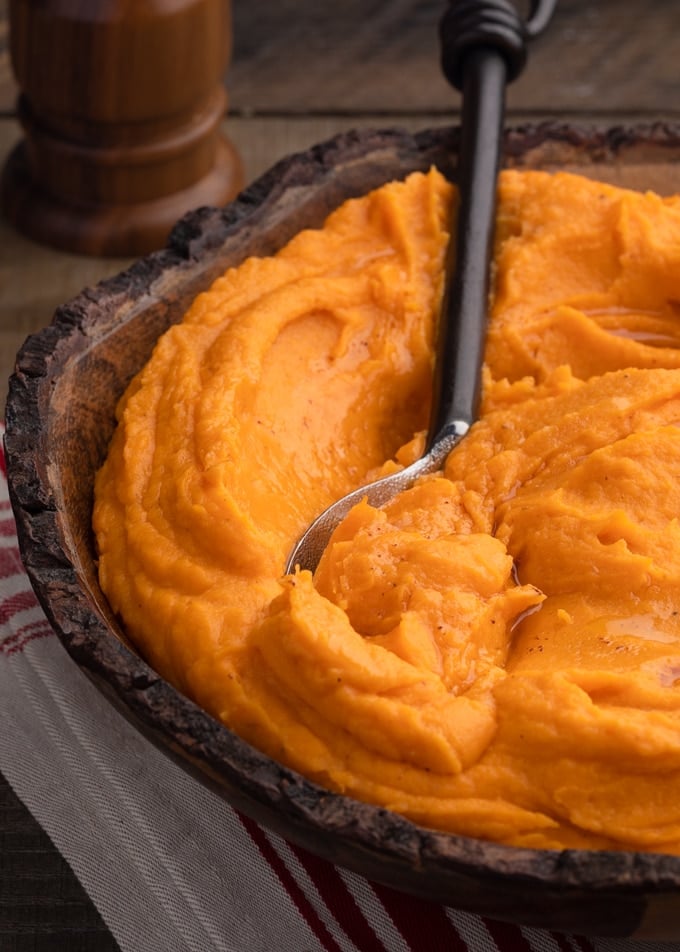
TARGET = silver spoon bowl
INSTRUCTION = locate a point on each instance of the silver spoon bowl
(311, 545)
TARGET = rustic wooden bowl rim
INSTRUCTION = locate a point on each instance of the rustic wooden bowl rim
(369, 839)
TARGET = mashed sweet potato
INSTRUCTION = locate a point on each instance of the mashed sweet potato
(497, 652)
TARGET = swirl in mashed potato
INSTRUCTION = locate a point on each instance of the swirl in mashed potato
(497, 651)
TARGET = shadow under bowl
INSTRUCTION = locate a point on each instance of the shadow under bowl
(60, 417)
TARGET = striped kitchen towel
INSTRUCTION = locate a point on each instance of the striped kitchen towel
(169, 865)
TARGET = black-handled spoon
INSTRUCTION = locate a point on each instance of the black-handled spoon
(483, 48)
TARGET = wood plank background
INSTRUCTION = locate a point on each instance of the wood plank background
(301, 71)
(304, 58)
(367, 56)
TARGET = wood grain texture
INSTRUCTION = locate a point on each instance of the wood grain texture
(121, 108)
(302, 57)
(383, 55)
(43, 908)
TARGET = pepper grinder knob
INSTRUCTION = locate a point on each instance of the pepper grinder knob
(121, 106)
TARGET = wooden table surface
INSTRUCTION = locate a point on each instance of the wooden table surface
(301, 71)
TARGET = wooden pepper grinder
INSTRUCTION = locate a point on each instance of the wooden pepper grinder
(121, 103)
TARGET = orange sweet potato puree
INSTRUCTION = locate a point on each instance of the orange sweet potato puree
(497, 652)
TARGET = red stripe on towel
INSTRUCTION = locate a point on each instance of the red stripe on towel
(423, 924)
(288, 882)
(507, 936)
(340, 902)
(18, 602)
(19, 639)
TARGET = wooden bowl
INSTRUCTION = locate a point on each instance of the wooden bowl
(60, 416)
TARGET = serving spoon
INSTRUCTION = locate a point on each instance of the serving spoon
(483, 49)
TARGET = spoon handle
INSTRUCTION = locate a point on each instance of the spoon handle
(483, 48)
